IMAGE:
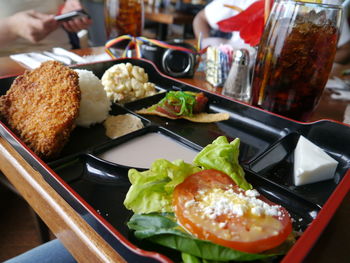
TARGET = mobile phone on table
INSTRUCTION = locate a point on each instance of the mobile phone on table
(71, 15)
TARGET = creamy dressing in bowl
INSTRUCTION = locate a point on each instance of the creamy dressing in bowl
(144, 150)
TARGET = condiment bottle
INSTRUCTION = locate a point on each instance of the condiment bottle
(237, 84)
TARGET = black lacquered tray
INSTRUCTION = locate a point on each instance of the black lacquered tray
(96, 188)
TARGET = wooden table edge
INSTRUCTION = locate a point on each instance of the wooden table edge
(68, 226)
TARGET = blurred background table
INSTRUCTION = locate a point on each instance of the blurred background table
(165, 16)
(333, 244)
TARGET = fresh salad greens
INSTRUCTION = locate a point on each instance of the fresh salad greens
(223, 156)
(152, 190)
(150, 198)
(163, 229)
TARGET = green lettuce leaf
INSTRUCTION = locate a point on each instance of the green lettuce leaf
(188, 258)
(223, 156)
(184, 100)
(163, 230)
(152, 190)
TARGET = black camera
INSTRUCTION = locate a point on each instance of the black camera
(172, 62)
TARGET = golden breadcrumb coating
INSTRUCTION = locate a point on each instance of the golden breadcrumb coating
(41, 107)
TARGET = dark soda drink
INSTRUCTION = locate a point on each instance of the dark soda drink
(293, 64)
(123, 17)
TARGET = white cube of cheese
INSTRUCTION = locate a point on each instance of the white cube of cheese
(311, 163)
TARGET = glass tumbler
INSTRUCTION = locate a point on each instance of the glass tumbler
(295, 57)
(123, 17)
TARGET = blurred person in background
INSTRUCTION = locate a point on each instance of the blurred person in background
(30, 25)
(205, 24)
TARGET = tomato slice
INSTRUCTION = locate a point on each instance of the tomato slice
(201, 102)
(166, 111)
(211, 207)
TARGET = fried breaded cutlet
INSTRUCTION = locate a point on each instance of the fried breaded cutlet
(41, 107)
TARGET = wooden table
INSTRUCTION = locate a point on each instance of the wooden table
(87, 246)
(166, 16)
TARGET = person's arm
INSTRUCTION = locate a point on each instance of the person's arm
(77, 24)
(200, 25)
(29, 25)
(6, 33)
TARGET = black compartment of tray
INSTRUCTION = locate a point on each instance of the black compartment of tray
(83, 139)
(276, 164)
(255, 136)
(103, 187)
(95, 154)
(107, 196)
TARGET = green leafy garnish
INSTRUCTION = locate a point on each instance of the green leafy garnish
(150, 198)
(152, 190)
(163, 230)
(182, 100)
(188, 258)
(223, 156)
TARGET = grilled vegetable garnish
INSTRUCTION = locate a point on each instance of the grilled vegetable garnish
(186, 105)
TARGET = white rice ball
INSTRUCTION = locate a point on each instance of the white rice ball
(94, 103)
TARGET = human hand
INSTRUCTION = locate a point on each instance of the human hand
(32, 25)
(76, 24)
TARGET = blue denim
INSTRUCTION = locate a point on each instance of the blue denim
(50, 252)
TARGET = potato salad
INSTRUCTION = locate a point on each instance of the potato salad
(125, 82)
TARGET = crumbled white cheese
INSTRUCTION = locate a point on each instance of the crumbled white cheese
(252, 193)
(238, 209)
(272, 210)
(216, 202)
(311, 163)
(256, 210)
